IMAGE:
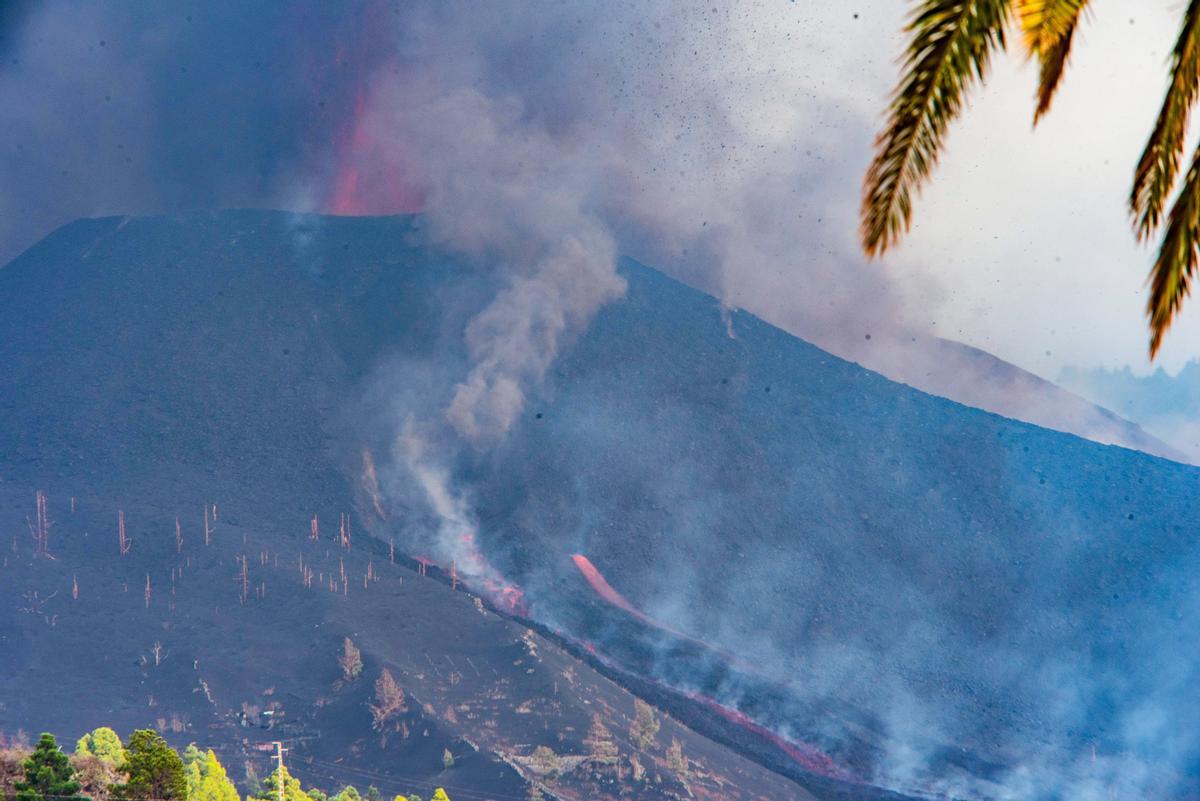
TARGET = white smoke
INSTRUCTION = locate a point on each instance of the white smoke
(505, 192)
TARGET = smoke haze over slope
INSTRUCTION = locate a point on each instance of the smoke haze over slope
(961, 580)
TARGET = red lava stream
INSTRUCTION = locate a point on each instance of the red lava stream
(812, 759)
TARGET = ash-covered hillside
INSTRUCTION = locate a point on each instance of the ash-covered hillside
(918, 591)
(139, 615)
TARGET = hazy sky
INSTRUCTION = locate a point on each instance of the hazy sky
(730, 142)
(1025, 232)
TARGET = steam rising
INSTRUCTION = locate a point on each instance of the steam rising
(507, 193)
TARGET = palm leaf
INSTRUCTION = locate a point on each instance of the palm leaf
(1170, 278)
(951, 46)
(1159, 165)
(1045, 22)
(1049, 28)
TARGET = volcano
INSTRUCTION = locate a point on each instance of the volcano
(904, 592)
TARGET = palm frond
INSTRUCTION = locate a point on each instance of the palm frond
(1171, 275)
(1049, 27)
(1045, 22)
(1159, 165)
(950, 49)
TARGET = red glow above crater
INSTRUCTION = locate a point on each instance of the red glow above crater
(369, 177)
(354, 105)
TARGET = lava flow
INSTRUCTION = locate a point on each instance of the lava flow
(808, 757)
(605, 590)
(811, 758)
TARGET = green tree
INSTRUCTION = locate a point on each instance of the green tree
(291, 787)
(546, 762)
(317, 795)
(347, 793)
(48, 774)
(155, 772)
(951, 43)
(191, 755)
(102, 743)
(645, 724)
(373, 793)
(206, 777)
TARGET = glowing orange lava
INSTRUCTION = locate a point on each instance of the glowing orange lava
(807, 756)
(603, 588)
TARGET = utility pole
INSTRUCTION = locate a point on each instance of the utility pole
(279, 749)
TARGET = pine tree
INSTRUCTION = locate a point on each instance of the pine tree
(645, 724)
(191, 756)
(102, 743)
(676, 761)
(206, 777)
(350, 660)
(347, 793)
(600, 742)
(292, 790)
(155, 772)
(389, 700)
(48, 775)
(373, 793)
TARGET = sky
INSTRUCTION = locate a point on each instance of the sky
(1026, 232)
(724, 144)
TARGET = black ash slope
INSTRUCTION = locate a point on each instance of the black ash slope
(958, 579)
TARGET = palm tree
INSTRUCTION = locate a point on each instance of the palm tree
(952, 42)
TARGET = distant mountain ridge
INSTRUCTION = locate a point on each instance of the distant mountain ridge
(1168, 405)
(976, 378)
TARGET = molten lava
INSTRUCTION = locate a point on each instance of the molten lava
(809, 757)
(605, 590)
